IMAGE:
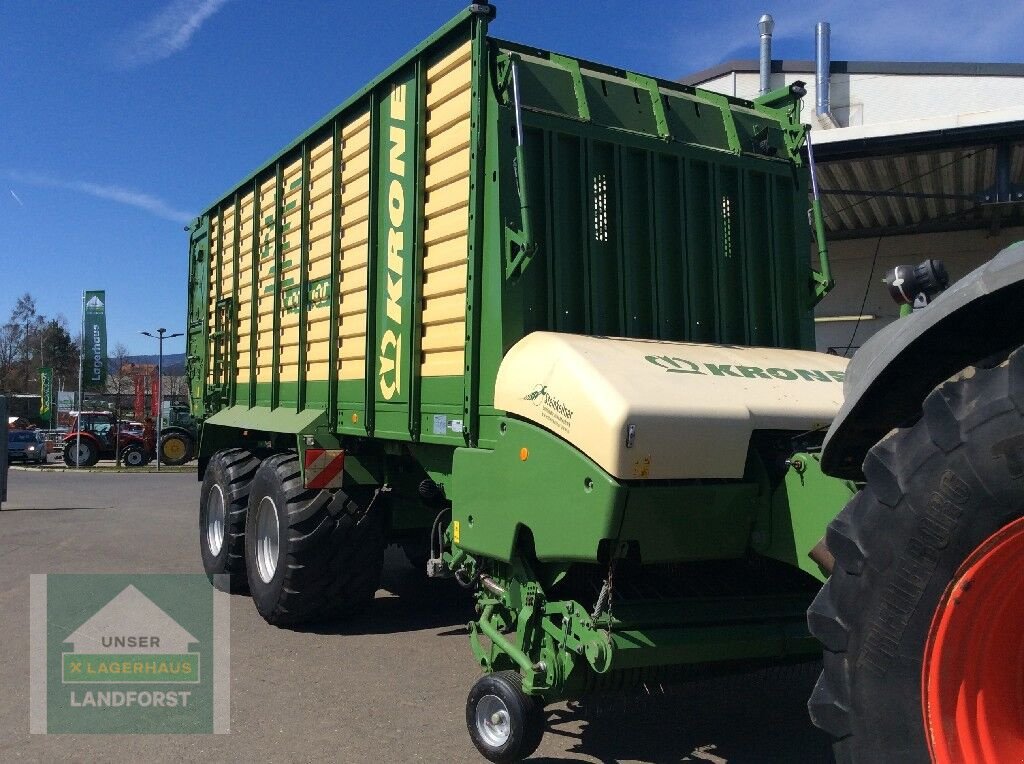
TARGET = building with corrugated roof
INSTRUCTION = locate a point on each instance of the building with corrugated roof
(914, 161)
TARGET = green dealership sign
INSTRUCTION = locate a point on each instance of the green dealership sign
(94, 338)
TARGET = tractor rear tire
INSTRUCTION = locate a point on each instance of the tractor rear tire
(134, 456)
(223, 504)
(311, 555)
(935, 495)
(176, 448)
(505, 724)
(88, 453)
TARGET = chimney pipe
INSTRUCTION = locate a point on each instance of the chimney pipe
(766, 24)
(823, 63)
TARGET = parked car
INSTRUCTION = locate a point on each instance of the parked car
(25, 446)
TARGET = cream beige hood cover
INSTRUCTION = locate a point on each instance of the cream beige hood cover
(666, 410)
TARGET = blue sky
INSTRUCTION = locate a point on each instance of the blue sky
(119, 121)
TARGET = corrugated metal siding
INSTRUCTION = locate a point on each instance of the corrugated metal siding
(963, 171)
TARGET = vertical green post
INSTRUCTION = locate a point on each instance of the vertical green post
(372, 237)
(255, 282)
(477, 166)
(417, 250)
(236, 259)
(335, 304)
(275, 384)
(300, 395)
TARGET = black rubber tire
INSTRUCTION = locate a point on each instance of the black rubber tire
(133, 456)
(188, 446)
(328, 565)
(230, 472)
(526, 717)
(933, 493)
(91, 459)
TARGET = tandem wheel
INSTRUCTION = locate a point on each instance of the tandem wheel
(505, 723)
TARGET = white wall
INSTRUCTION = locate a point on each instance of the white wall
(875, 98)
(961, 251)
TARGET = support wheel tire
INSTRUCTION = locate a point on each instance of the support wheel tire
(176, 448)
(505, 723)
(941, 498)
(223, 504)
(311, 555)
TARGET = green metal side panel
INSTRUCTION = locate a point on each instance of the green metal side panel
(501, 496)
(395, 258)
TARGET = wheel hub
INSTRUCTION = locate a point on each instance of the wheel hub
(493, 723)
(973, 673)
(268, 539)
(215, 519)
(174, 448)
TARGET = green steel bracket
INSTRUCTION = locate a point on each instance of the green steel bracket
(789, 526)
(520, 246)
(822, 282)
(783, 105)
(657, 102)
(723, 103)
(572, 66)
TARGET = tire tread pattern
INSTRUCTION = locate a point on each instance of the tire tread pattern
(868, 697)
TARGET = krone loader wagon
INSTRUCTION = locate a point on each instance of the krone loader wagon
(546, 324)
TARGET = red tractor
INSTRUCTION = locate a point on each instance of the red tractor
(95, 436)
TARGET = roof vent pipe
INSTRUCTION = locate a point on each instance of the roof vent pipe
(823, 63)
(765, 25)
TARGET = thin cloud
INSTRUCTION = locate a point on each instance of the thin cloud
(16, 197)
(169, 31)
(137, 199)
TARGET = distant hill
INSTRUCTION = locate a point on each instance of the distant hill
(174, 363)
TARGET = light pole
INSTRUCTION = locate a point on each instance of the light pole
(160, 383)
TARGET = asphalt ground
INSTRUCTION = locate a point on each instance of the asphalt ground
(388, 687)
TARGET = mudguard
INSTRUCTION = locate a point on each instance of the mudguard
(890, 376)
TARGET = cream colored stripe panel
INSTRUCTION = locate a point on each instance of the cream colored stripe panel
(446, 214)
(291, 264)
(265, 282)
(243, 311)
(318, 326)
(354, 227)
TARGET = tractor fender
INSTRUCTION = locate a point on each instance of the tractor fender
(72, 437)
(890, 376)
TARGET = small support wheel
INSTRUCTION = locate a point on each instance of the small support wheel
(504, 722)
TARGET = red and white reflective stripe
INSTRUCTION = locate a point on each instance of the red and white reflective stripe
(323, 468)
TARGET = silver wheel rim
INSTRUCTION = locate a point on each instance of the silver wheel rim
(268, 539)
(493, 723)
(216, 515)
(134, 458)
(80, 454)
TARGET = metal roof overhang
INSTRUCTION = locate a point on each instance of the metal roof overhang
(938, 174)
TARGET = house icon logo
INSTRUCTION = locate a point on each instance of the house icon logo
(130, 640)
(94, 303)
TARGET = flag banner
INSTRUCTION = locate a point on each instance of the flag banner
(94, 343)
(45, 392)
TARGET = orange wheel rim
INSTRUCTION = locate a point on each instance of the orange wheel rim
(973, 673)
